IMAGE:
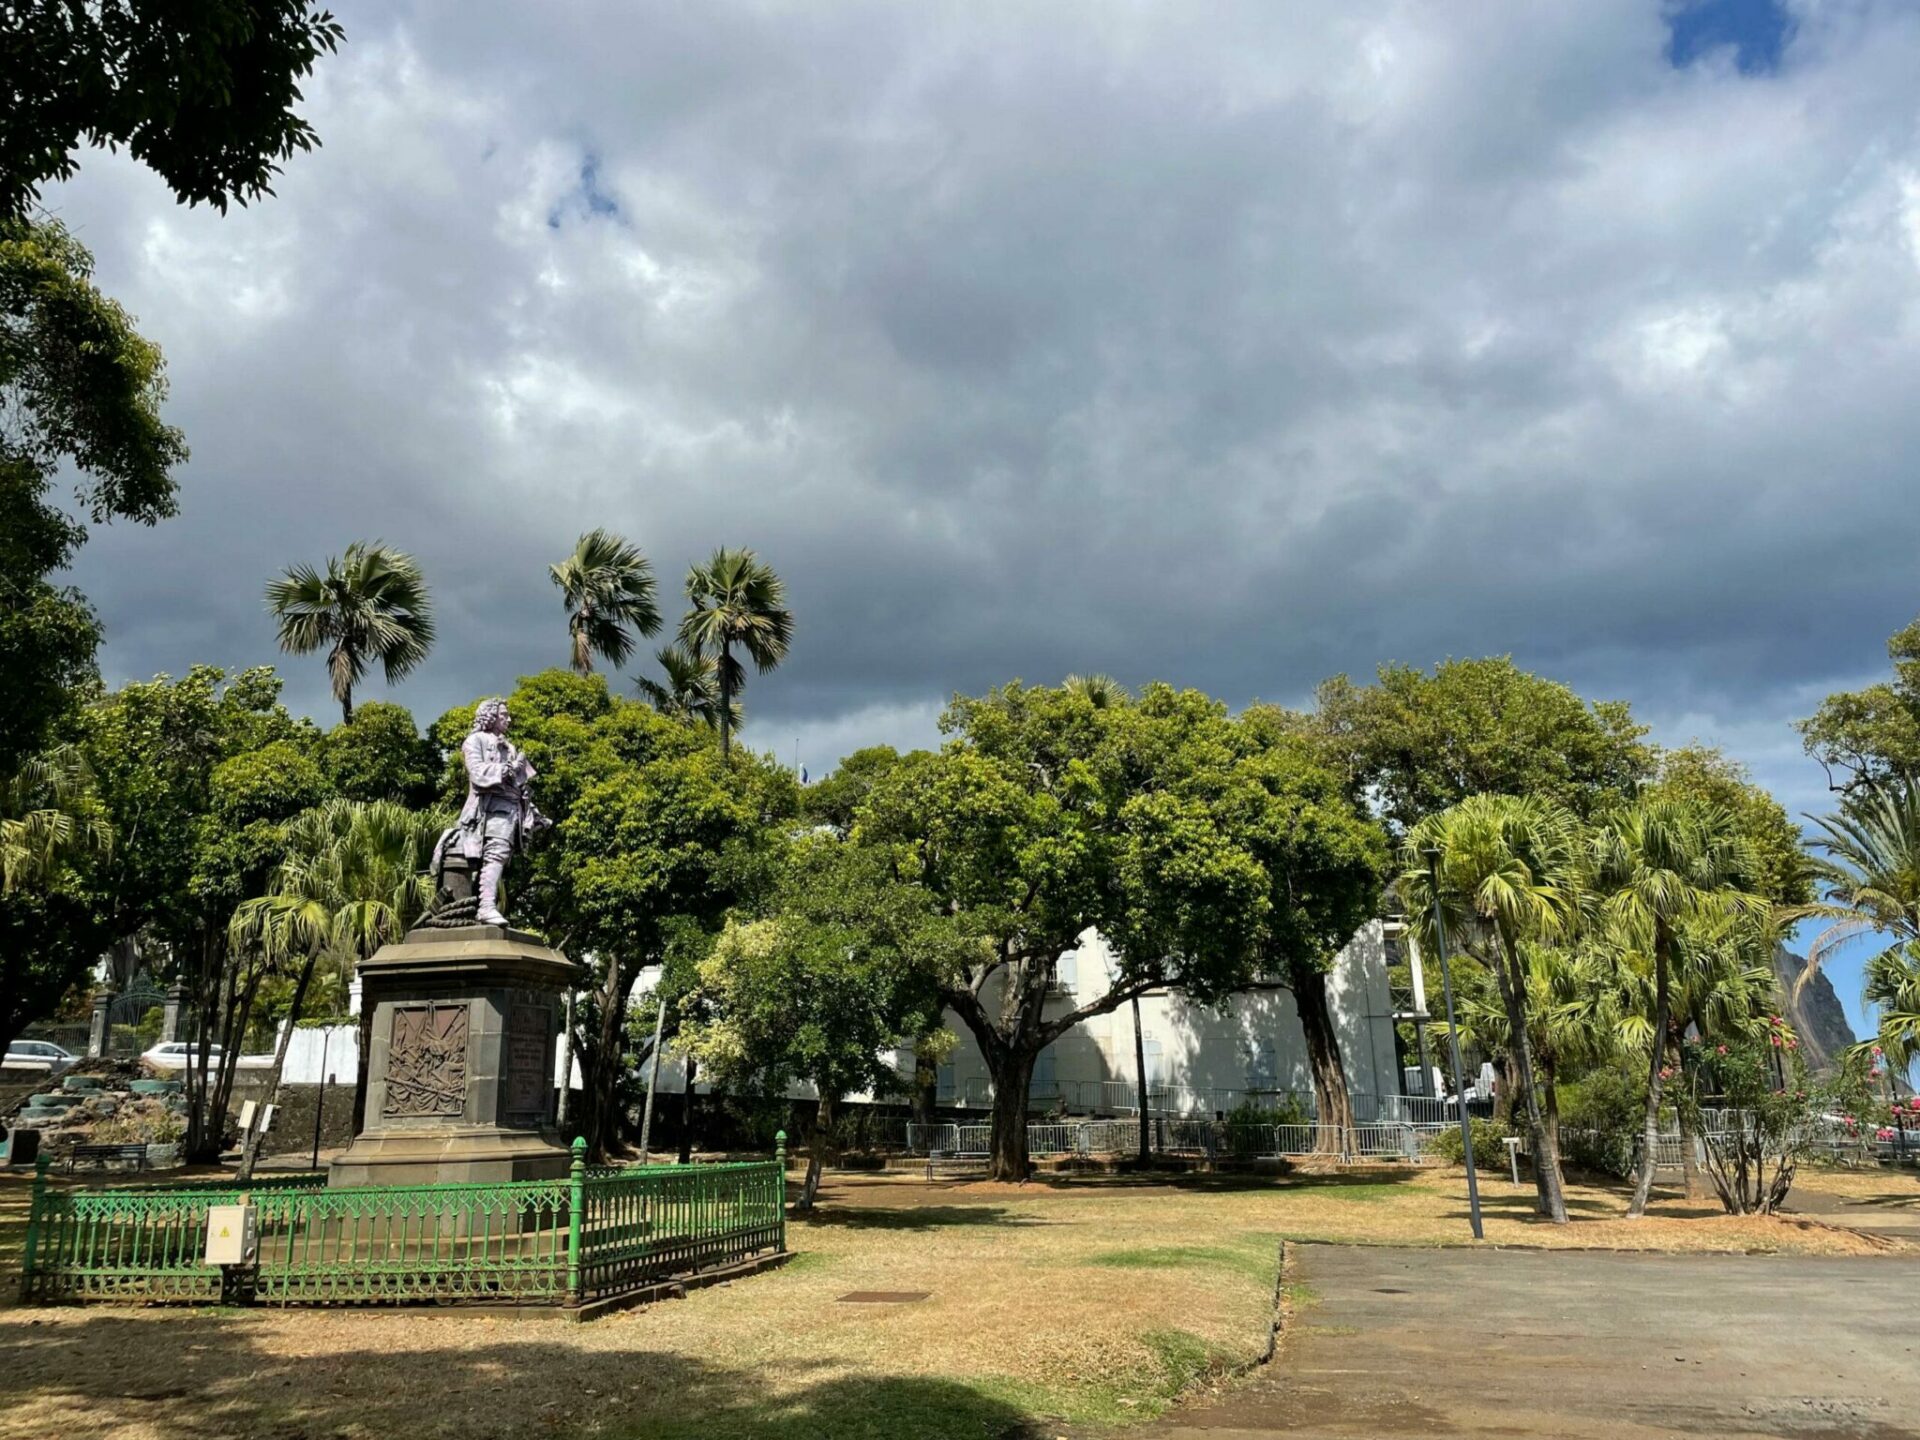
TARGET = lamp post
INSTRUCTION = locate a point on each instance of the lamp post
(1453, 1041)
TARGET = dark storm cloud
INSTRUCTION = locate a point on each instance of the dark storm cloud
(1220, 344)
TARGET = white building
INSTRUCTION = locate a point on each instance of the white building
(1199, 1060)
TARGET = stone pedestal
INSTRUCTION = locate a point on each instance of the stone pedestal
(459, 1082)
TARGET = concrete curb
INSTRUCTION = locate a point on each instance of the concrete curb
(677, 1287)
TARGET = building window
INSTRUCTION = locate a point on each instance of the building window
(1260, 1065)
(1046, 1085)
(1156, 1069)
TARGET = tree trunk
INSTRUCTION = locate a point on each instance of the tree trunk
(686, 1113)
(250, 1151)
(1656, 1053)
(1503, 1091)
(1140, 1077)
(1550, 1111)
(726, 703)
(819, 1152)
(1546, 1169)
(1012, 1078)
(1689, 1136)
(601, 1065)
(1332, 1101)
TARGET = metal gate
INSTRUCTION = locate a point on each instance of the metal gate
(126, 1013)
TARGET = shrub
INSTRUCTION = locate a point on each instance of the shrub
(1489, 1149)
(1286, 1111)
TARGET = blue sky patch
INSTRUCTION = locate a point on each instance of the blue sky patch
(1757, 30)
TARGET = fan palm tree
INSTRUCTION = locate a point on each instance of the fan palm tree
(354, 878)
(1510, 872)
(690, 689)
(1100, 691)
(371, 607)
(607, 584)
(1666, 865)
(738, 603)
(48, 816)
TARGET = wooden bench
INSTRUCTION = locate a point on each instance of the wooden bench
(102, 1156)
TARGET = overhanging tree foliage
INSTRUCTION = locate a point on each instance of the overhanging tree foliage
(203, 96)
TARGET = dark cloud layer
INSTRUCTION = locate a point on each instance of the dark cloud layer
(1230, 345)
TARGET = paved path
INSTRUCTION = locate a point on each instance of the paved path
(1895, 1214)
(1536, 1344)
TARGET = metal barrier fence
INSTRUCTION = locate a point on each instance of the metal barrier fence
(1209, 1139)
(592, 1235)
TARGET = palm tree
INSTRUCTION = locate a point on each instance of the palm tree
(608, 587)
(48, 816)
(1667, 865)
(737, 601)
(1893, 989)
(370, 607)
(1510, 871)
(1869, 869)
(1100, 691)
(354, 878)
(690, 690)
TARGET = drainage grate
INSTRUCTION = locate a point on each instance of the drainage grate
(883, 1297)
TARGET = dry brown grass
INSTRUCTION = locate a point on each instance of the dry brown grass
(1091, 1299)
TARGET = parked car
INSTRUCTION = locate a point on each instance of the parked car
(184, 1054)
(39, 1055)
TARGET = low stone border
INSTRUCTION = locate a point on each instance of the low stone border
(677, 1287)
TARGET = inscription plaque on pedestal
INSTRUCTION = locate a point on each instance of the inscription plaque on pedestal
(529, 1075)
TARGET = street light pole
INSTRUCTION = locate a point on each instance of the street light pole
(1453, 1041)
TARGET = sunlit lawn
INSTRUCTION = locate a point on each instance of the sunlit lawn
(1088, 1300)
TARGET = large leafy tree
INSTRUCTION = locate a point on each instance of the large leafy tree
(381, 755)
(1323, 860)
(738, 608)
(80, 392)
(370, 608)
(199, 777)
(608, 588)
(1048, 817)
(205, 98)
(844, 967)
(1419, 742)
(1871, 737)
(1511, 873)
(1666, 865)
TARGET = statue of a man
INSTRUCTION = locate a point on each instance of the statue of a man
(499, 814)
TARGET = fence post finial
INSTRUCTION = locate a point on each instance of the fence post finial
(780, 1184)
(36, 1211)
(576, 1215)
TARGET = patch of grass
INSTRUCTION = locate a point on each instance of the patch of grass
(1242, 1259)
(1184, 1359)
(803, 1261)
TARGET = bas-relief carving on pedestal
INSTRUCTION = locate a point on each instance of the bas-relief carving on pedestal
(427, 1061)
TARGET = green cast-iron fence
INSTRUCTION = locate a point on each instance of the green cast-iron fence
(596, 1234)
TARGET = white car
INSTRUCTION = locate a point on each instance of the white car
(39, 1055)
(184, 1054)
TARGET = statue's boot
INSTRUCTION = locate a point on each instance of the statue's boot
(489, 910)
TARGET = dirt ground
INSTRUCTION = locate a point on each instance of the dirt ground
(1086, 1301)
(1482, 1343)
